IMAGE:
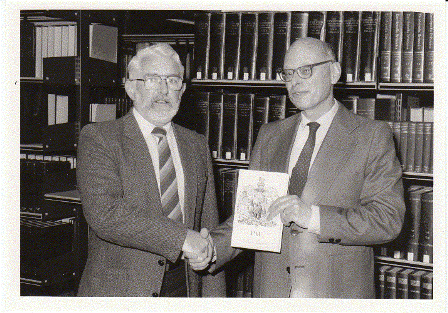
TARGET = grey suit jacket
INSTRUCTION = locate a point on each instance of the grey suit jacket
(356, 181)
(129, 238)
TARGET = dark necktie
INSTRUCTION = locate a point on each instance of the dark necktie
(168, 181)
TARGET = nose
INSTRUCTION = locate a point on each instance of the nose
(163, 86)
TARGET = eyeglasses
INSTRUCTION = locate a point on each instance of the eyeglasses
(172, 82)
(304, 72)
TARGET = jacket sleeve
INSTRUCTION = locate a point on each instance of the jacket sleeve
(112, 216)
(379, 215)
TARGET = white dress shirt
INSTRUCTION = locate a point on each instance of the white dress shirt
(152, 142)
(301, 137)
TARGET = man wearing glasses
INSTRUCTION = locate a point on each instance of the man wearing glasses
(345, 192)
(147, 191)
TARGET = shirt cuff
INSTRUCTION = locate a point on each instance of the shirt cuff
(314, 223)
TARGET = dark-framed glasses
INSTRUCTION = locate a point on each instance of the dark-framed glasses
(172, 82)
(304, 72)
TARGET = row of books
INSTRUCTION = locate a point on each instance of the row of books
(58, 109)
(415, 241)
(251, 45)
(394, 282)
(45, 40)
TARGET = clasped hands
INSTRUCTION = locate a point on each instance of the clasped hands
(292, 209)
(198, 249)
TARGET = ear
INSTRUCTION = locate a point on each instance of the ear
(129, 86)
(335, 69)
(182, 90)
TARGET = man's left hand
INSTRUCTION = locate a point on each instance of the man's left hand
(291, 209)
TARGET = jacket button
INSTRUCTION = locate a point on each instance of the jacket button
(337, 240)
(155, 294)
(161, 262)
(331, 240)
(288, 269)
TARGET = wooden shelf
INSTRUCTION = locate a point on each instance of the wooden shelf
(418, 176)
(231, 163)
(403, 263)
(406, 86)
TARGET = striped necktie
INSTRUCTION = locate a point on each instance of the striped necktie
(168, 181)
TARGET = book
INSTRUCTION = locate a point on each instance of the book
(416, 115)
(103, 42)
(265, 46)
(316, 24)
(50, 44)
(418, 158)
(408, 47)
(228, 179)
(57, 51)
(410, 150)
(256, 190)
(419, 40)
(403, 283)
(39, 61)
(277, 107)
(333, 32)
(51, 105)
(248, 47)
(391, 282)
(244, 125)
(215, 123)
(61, 109)
(229, 124)
(427, 147)
(404, 129)
(426, 230)
(299, 25)
(396, 46)
(27, 49)
(100, 112)
(260, 114)
(399, 107)
(366, 107)
(369, 45)
(385, 45)
(414, 284)
(64, 41)
(201, 112)
(428, 72)
(232, 45)
(350, 50)
(201, 44)
(216, 50)
(426, 291)
(72, 41)
(381, 286)
(428, 114)
(385, 107)
(282, 21)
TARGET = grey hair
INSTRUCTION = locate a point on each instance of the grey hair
(157, 49)
(329, 51)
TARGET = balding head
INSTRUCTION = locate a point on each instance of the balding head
(311, 50)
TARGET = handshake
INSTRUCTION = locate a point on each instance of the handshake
(198, 249)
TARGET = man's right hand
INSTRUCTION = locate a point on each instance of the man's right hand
(198, 249)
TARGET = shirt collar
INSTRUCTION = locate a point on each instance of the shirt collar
(146, 126)
(325, 119)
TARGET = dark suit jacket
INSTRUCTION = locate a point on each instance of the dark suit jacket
(356, 181)
(129, 238)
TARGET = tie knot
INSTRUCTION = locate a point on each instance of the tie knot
(159, 132)
(313, 126)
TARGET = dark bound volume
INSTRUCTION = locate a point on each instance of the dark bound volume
(381, 287)
(333, 32)
(428, 72)
(418, 158)
(201, 44)
(216, 54)
(260, 116)
(32, 113)
(385, 45)
(244, 126)
(410, 150)
(229, 178)
(419, 44)
(62, 70)
(426, 233)
(232, 45)
(215, 123)
(366, 107)
(396, 47)
(265, 46)
(408, 47)
(350, 51)
(415, 282)
(403, 283)
(299, 25)
(426, 291)
(248, 48)
(427, 147)
(277, 107)
(413, 217)
(229, 118)
(391, 282)
(369, 46)
(385, 107)
(27, 50)
(404, 129)
(201, 99)
(282, 21)
(316, 24)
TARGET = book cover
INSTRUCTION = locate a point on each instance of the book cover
(256, 190)
(396, 46)
(316, 24)
(391, 282)
(282, 21)
(369, 46)
(229, 124)
(299, 25)
(410, 150)
(403, 283)
(265, 46)
(415, 281)
(385, 45)
(426, 291)
(408, 47)
(333, 32)
(201, 44)
(260, 115)
(215, 123)
(350, 50)
(418, 158)
(248, 46)
(419, 44)
(381, 286)
(428, 133)
(103, 42)
(428, 72)
(277, 107)
(232, 45)
(244, 125)
(216, 51)
(426, 231)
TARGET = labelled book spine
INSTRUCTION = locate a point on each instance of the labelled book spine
(299, 25)
(413, 222)
(282, 21)
(426, 230)
(215, 123)
(350, 63)
(369, 35)
(410, 150)
(428, 72)
(396, 46)
(201, 111)
(244, 128)
(415, 281)
(216, 54)
(316, 24)
(201, 45)
(418, 159)
(232, 45)
(427, 147)
(381, 287)
(419, 44)
(408, 47)
(261, 110)
(391, 282)
(385, 45)
(248, 46)
(333, 32)
(265, 46)
(229, 124)
(404, 129)
(403, 283)
(427, 286)
(277, 107)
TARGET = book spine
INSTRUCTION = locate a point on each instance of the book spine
(381, 287)
(427, 147)
(402, 284)
(299, 25)
(410, 149)
(404, 129)
(426, 291)
(351, 46)
(415, 284)
(413, 224)
(396, 46)
(215, 123)
(277, 107)
(419, 44)
(316, 24)
(39, 61)
(366, 107)
(428, 72)
(397, 135)
(201, 45)
(201, 111)
(426, 230)
(229, 124)
(369, 26)
(408, 47)
(391, 283)
(418, 159)
(265, 46)
(385, 45)
(261, 110)
(282, 21)
(232, 45)
(248, 47)
(216, 51)
(229, 179)
(333, 32)
(244, 128)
